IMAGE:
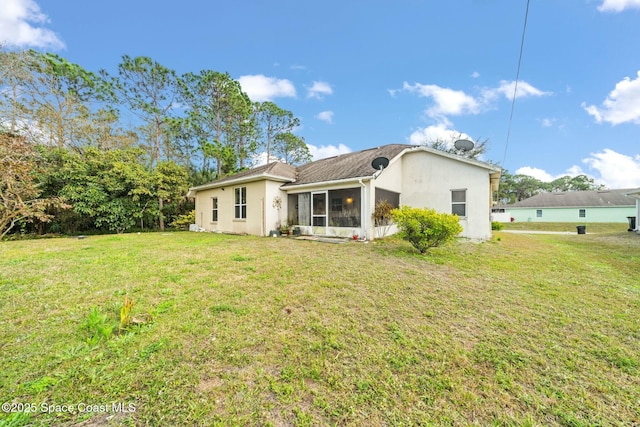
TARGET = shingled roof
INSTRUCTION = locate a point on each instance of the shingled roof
(568, 199)
(276, 171)
(346, 166)
(343, 167)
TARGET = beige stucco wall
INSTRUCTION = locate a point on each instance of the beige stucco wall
(423, 179)
(261, 216)
(427, 181)
(273, 216)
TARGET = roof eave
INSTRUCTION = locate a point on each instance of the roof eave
(293, 185)
(242, 180)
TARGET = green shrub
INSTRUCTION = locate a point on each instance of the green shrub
(495, 225)
(183, 221)
(425, 228)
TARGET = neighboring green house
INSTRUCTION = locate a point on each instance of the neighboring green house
(575, 206)
(635, 223)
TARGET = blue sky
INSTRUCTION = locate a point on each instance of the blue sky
(362, 74)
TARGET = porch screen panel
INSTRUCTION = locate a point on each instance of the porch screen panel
(304, 208)
(319, 209)
(390, 196)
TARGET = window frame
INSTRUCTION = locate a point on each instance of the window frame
(538, 213)
(457, 203)
(214, 209)
(582, 213)
(240, 203)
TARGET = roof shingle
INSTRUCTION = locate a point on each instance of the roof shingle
(345, 166)
(577, 199)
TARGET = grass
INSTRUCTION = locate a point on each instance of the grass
(594, 227)
(239, 330)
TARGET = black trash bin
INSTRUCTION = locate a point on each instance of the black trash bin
(582, 229)
(632, 223)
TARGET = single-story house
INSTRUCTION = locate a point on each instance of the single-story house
(636, 216)
(575, 206)
(337, 196)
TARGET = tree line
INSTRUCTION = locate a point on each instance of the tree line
(514, 188)
(84, 151)
(81, 150)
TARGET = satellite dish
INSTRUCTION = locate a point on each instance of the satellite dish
(380, 163)
(464, 144)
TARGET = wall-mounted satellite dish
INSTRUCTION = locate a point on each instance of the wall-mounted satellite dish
(464, 144)
(380, 163)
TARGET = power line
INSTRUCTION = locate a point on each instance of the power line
(515, 89)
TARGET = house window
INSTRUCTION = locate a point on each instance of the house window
(459, 202)
(240, 204)
(538, 213)
(582, 213)
(214, 209)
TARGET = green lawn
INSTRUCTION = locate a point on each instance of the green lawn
(595, 227)
(238, 330)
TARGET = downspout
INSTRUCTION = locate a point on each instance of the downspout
(263, 222)
(363, 204)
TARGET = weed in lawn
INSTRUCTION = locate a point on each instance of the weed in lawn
(152, 348)
(99, 326)
(163, 307)
(41, 384)
(125, 314)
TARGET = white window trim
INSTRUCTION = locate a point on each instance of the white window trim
(238, 204)
(460, 203)
(214, 208)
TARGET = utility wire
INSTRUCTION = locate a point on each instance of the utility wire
(515, 89)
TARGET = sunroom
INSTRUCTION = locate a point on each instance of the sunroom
(337, 212)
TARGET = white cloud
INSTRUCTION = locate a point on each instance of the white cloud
(325, 151)
(325, 116)
(475, 74)
(19, 25)
(609, 168)
(447, 101)
(507, 88)
(618, 5)
(622, 104)
(439, 132)
(615, 170)
(537, 173)
(318, 90)
(547, 123)
(261, 88)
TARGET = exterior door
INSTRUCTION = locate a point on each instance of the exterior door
(319, 209)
